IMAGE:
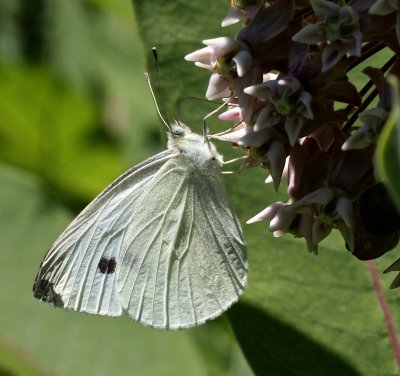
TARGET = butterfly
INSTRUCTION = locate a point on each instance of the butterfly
(161, 244)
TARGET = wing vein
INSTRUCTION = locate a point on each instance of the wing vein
(163, 215)
(231, 271)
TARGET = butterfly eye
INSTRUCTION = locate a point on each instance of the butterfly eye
(178, 131)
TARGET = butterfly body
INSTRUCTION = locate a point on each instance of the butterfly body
(160, 244)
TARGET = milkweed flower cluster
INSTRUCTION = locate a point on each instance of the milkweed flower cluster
(285, 79)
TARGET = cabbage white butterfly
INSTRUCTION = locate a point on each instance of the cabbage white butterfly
(160, 244)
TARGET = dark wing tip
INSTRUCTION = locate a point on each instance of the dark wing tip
(43, 290)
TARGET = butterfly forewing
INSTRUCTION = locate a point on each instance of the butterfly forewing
(79, 270)
(184, 257)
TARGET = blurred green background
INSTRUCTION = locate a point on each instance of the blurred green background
(75, 112)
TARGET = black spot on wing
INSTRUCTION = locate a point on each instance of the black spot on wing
(43, 289)
(107, 266)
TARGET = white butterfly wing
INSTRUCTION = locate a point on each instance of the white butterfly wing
(184, 258)
(79, 270)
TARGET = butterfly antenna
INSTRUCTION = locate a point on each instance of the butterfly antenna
(147, 77)
(164, 119)
(155, 56)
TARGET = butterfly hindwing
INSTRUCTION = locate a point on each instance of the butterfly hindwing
(79, 270)
(184, 258)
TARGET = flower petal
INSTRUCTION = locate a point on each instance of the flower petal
(359, 139)
(268, 213)
(234, 136)
(348, 235)
(234, 114)
(266, 119)
(306, 99)
(396, 282)
(330, 56)
(353, 43)
(255, 139)
(244, 61)
(205, 66)
(293, 129)
(344, 207)
(233, 16)
(383, 8)
(277, 158)
(282, 220)
(395, 267)
(260, 90)
(203, 55)
(310, 34)
(222, 45)
(320, 231)
(322, 196)
(217, 87)
(305, 229)
(324, 9)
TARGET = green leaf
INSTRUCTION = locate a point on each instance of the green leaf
(300, 314)
(388, 149)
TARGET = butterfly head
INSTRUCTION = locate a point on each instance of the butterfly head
(199, 149)
(178, 130)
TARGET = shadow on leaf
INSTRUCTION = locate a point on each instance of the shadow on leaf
(277, 349)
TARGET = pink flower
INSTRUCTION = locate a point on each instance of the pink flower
(228, 59)
(339, 27)
(285, 102)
